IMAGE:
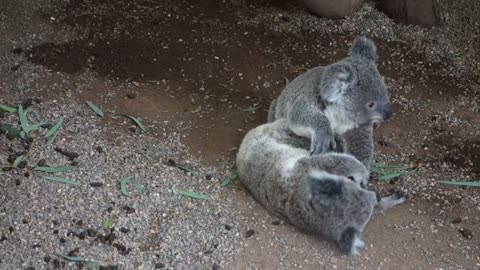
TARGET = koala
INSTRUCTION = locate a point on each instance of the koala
(326, 102)
(322, 194)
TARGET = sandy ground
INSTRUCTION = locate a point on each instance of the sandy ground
(199, 75)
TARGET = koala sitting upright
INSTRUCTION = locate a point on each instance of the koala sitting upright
(320, 194)
(326, 102)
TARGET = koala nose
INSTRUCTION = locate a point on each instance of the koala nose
(387, 111)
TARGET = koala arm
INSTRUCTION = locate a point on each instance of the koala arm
(358, 142)
(306, 120)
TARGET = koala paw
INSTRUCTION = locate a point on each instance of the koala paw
(322, 146)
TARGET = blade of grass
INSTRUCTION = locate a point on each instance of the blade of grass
(62, 180)
(190, 194)
(54, 169)
(95, 109)
(137, 122)
(75, 258)
(23, 119)
(389, 176)
(194, 195)
(55, 128)
(138, 187)
(50, 141)
(251, 109)
(8, 108)
(123, 185)
(227, 181)
(35, 126)
(18, 160)
(467, 184)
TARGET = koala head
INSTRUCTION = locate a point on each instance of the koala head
(355, 85)
(343, 165)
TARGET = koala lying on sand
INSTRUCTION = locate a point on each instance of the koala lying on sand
(320, 194)
(328, 101)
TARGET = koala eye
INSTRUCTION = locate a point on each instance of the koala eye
(351, 178)
(371, 104)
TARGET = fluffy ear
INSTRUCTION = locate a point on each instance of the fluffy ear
(324, 189)
(364, 47)
(335, 80)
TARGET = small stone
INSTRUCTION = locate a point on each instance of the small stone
(11, 229)
(228, 227)
(41, 162)
(96, 184)
(62, 240)
(131, 95)
(24, 221)
(46, 258)
(73, 252)
(56, 263)
(22, 164)
(3, 238)
(215, 266)
(15, 67)
(122, 249)
(124, 230)
(99, 149)
(91, 232)
(26, 174)
(82, 235)
(36, 245)
(159, 265)
(208, 177)
(466, 233)
(249, 233)
(129, 209)
(79, 222)
(27, 103)
(18, 182)
(17, 50)
(133, 129)
(110, 209)
(170, 162)
(457, 200)
(276, 222)
(457, 220)
(55, 231)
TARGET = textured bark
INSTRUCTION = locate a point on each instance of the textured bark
(419, 12)
(332, 8)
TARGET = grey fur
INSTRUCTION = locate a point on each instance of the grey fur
(312, 192)
(326, 102)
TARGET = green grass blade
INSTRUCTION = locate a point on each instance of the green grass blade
(95, 109)
(138, 187)
(390, 176)
(194, 195)
(50, 141)
(18, 160)
(137, 122)
(23, 119)
(107, 224)
(123, 185)
(252, 109)
(62, 180)
(54, 169)
(75, 258)
(227, 181)
(174, 189)
(36, 126)
(55, 128)
(7, 108)
(467, 184)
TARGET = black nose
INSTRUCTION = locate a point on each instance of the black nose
(387, 111)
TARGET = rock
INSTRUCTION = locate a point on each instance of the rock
(466, 233)
(249, 233)
(332, 9)
(457, 220)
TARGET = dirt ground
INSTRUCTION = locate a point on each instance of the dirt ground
(199, 70)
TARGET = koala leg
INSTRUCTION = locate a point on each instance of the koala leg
(350, 242)
(271, 111)
(308, 121)
(390, 201)
(358, 142)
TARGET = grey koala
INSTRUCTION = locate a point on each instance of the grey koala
(321, 194)
(326, 102)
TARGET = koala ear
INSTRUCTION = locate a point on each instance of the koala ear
(335, 80)
(324, 189)
(364, 47)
